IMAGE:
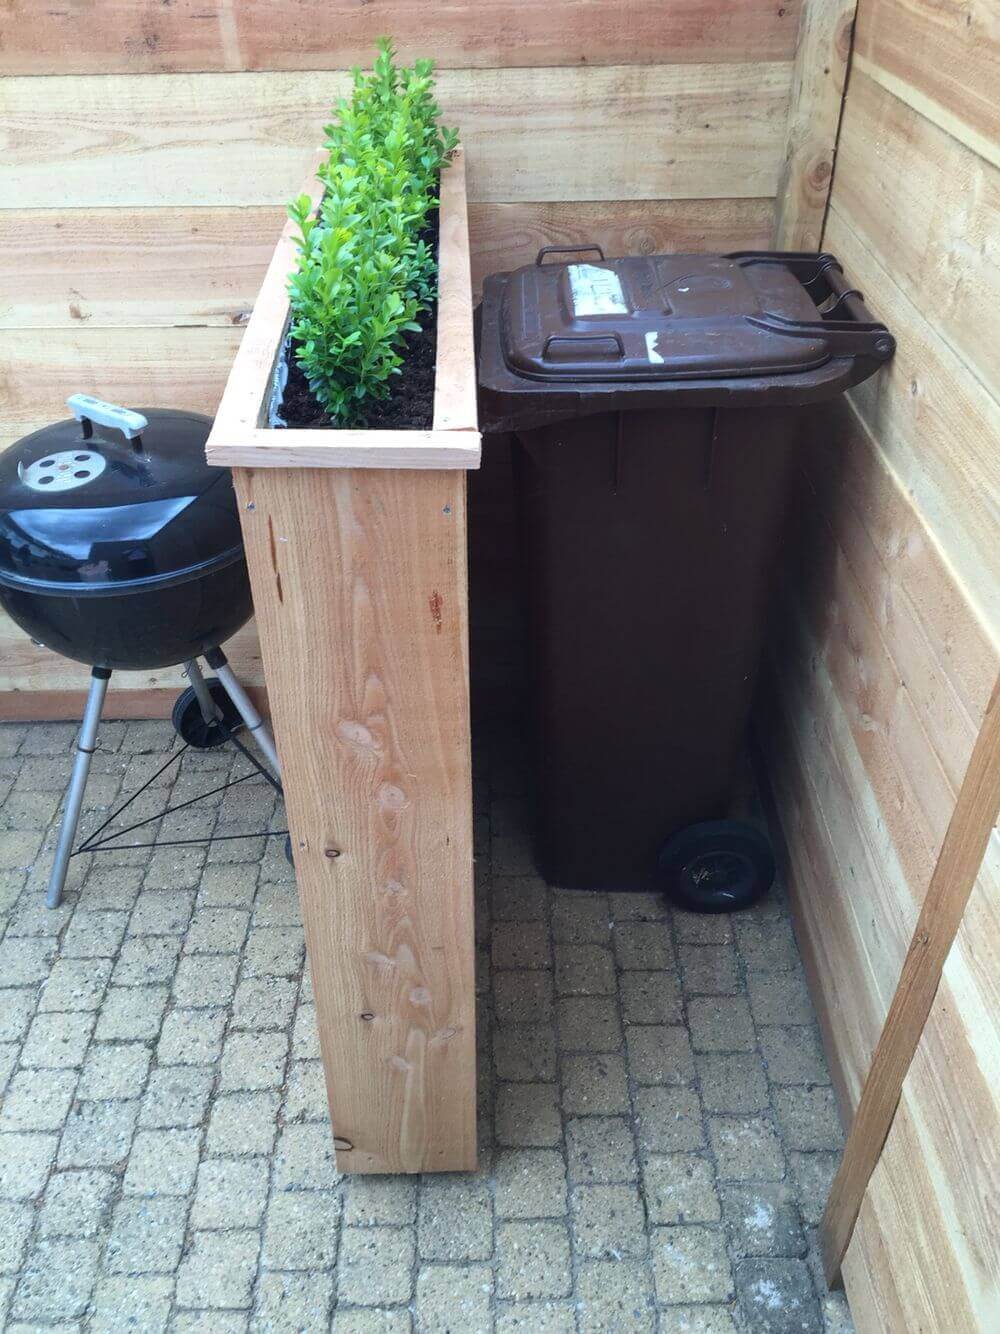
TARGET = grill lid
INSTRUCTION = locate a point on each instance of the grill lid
(658, 317)
(113, 501)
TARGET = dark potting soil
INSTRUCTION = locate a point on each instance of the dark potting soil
(410, 405)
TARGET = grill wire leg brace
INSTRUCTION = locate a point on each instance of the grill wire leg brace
(86, 744)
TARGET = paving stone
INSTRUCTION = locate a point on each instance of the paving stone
(136, 1303)
(608, 1221)
(274, 951)
(16, 1220)
(696, 1320)
(243, 1123)
(528, 1115)
(210, 1322)
(131, 1013)
(650, 998)
(669, 1119)
(147, 1235)
(176, 1096)
(589, 1023)
(218, 1269)
(518, 899)
(793, 1055)
(112, 887)
(732, 1082)
(836, 1314)
(536, 1317)
(813, 1175)
(25, 960)
(301, 1230)
(767, 947)
(659, 1054)
(114, 1070)
(523, 998)
(206, 979)
(94, 935)
(454, 1297)
(632, 906)
(375, 1265)
(680, 1188)
(643, 945)
(57, 1281)
(227, 886)
(292, 1303)
(594, 1085)
(57, 1041)
(584, 970)
(708, 970)
(746, 1148)
(30, 916)
(371, 1320)
(75, 985)
(216, 931)
(533, 1260)
(304, 1159)
(521, 945)
(614, 1295)
(25, 1161)
(455, 1219)
(690, 1264)
(780, 998)
(379, 1199)
(37, 1100)
(721, 1023)
(702, 928)
(19, 848)
(144, 960)
(230, 1193)
(600, 1149)
(264, 1002)
(762, 1220)
(305, 1092)
(174, 868)
(161, 912)
(581, 918)
(808, 1117)
(98, 1134)
(253, 1061)
(191, 1037)
(776, 1297)
(530, 1183)
(277, 905)
(162, 1162)
(525, 1052)
(76, 1204)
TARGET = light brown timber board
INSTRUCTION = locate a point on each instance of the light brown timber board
(939, 58)
(455, 396)
(929, 208)
(361, 593)
(644, 131)
(820, 73)
(35, 706)
(941, 913)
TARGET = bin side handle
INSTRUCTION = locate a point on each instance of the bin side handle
(565, 250)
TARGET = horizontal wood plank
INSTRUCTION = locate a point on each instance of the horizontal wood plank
(939, 58)
(936, 423)
(148, 36)
(930, 209)
(652, 132)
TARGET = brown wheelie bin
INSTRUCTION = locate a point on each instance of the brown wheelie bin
(655, 403)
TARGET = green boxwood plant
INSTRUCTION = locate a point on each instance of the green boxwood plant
(364, 274)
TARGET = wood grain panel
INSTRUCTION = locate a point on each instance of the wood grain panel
(505, 236)
(91, 268)
(930, 209)
(940, 58)
(652, 132)
(149, 36)
(361, 591)
(936, 423)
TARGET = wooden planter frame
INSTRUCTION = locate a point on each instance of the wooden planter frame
(356, 544)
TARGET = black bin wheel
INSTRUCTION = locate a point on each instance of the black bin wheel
(716, 866)
(191, 727)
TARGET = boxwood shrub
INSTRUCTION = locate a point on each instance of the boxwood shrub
(364, 273)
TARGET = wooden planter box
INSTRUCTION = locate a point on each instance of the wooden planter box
(356, 543)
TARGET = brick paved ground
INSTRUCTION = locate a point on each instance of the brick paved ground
(658, 1128)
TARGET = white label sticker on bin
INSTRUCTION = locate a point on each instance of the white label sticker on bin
(595, 291)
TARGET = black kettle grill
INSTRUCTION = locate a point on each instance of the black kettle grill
(120, 547)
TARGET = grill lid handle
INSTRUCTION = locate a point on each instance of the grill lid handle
(88, 410)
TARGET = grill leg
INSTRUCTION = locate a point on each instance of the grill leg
(216, 659)
(205, 702)
(86, 743)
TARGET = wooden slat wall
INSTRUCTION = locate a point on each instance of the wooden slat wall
(891, 625)
(149, 150)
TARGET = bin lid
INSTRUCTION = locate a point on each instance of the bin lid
(659, 317)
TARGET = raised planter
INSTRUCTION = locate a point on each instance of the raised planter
(356, 543)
